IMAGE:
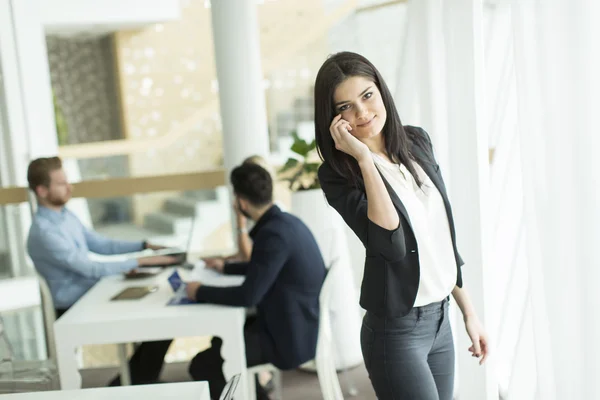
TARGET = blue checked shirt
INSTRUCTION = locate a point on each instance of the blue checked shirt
(59, 244)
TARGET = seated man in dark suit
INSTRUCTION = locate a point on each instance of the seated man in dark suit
(283, 281)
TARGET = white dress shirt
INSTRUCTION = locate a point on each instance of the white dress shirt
(427, 214)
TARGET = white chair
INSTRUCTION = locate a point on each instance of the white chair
(230, 388)
(253, 371)
(325, 357)
(49, 314)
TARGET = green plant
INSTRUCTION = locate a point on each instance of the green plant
(301, 172)
(62, 131)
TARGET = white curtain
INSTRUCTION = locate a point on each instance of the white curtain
(556, 60)
(439, 81)
(542, 66)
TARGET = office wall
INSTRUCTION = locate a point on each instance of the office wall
(84, 84)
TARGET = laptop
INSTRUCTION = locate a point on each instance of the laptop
(230, 387)
(180, 254)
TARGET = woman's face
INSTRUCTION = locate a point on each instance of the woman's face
(359, 102)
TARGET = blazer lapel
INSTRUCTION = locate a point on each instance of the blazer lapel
(432, 171)
(395, 199)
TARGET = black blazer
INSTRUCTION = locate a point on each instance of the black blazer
(392, 271)
(283, 280)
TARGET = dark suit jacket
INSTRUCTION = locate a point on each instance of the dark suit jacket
(392, 272)
(283, 280)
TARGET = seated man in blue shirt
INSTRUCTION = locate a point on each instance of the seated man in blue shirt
(58, 245)
(283, 281)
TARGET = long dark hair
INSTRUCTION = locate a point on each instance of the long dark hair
(335, 70)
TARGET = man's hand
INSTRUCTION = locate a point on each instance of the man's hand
(191, 288)
(156, 260)
(154, 246)
(215, 263)
(240, 218)
(132, 273)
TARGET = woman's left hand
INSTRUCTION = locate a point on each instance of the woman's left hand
(480, 347)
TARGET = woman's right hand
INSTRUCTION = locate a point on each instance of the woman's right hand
(215, 263)
(344, 141)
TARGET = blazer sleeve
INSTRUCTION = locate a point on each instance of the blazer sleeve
(351, 203)
(269, 255)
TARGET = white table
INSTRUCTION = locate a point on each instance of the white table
(179, 391)
(94, 319)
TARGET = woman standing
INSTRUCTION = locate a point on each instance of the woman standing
(383, 179)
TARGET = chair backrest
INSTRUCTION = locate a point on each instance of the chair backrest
(49, 314)
(325, 358)
(48, 310)
(6, 352)
(230, 388)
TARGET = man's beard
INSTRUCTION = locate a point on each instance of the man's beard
(57, 201)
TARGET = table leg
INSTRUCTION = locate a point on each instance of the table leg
(67, 365)
(124, 364)
(234, 353)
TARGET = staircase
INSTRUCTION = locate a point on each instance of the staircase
(171, 226)
(211, 209)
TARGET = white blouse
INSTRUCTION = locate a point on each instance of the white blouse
(427, 214)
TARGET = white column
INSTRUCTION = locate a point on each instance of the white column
(15, 137)
(31, 18)
(469, 173)
(588, 184)
(30, 38)
(241, 94)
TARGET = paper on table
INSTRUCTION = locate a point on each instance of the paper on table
(213, 278)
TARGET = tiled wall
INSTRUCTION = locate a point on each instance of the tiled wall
(85, 88)
(84, 84)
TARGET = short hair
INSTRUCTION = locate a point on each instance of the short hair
(253, 183)
(260, 160)
(38, 172)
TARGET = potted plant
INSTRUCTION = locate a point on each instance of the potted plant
(308, 201)
(62, 131)
(301, 171)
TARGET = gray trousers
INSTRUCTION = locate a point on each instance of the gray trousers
(410, 357)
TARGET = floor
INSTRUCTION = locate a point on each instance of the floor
(297, 385)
